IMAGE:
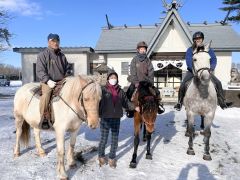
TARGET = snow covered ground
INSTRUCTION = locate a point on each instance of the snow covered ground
(169, 146)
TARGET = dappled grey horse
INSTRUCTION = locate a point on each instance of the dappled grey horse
(201, 98)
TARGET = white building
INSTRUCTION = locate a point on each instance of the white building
(168, 42)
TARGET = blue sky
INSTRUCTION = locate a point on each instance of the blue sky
(79, 22)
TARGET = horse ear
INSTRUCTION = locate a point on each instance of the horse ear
(195, 50)
(207, 46)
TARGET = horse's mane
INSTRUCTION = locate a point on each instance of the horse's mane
(73, 87)
(146, 96)
(144, 90)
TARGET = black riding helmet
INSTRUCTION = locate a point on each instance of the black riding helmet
(198, 34)
(142, 44)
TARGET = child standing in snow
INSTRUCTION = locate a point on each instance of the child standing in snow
(113, 99)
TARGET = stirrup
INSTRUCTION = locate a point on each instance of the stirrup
(130, 114)
(161, 109)
(226, 105)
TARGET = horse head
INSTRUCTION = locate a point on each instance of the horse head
(201, 64)
(89, 98)
(82, 96)
(146, 100)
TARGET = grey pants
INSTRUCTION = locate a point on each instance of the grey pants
(189, 76)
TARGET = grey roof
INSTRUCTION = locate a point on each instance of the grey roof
(124, 39)
(64, 49)
(223, 37)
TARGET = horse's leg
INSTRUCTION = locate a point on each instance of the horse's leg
(187, 134)
(202, 122)
(202, 125)
(60, 154)
(70, 155)
(137, 123)
(190, 118)
(207, 135)
(18, 123)
(144, 132)
(148, 155)
(40, 150)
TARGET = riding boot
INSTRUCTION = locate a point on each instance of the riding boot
(161, 109)
(181, 93)
(46, 121)
(129, 94)
(222, 103)
(220, 94)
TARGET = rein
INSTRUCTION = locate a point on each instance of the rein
(83, 118)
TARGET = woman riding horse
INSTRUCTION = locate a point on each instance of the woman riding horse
(145, 99)
(198, 38)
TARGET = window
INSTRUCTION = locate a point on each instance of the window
(71, 69)
(125, 68)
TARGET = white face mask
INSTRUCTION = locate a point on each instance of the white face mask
(112, 81)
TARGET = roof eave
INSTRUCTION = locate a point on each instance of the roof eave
(230, 49)
(116, 51)
(64, 49)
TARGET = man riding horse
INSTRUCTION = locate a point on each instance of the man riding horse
(52, 66)
(198, 38)
(141, 69)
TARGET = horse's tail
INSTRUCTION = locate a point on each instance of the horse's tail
(25, 136)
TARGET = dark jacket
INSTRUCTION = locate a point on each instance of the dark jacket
(108, 110)
(51, 65)
(141, 70)
(189, 55)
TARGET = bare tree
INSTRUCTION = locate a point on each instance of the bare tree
(5, 35)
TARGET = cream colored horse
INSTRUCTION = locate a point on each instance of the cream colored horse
(80, 101)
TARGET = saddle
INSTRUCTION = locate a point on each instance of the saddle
(37, 92)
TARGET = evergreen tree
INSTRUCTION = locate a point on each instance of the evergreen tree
(233, 7)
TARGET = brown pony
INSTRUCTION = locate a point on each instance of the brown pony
(144, 97)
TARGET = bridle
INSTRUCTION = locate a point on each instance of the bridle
(80, 99)
(199, 70)
(146, 98)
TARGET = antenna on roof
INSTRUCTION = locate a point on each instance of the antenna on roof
(226, 18)
(174, 5)
(108, 23)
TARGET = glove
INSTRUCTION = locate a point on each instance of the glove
(137, 109)
(51, 83)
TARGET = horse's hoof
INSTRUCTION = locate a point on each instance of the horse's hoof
(42, 154)
(16, 155)
(64, 178)
(73, 166)
(202, 132)
(149, 156)
(207, 157)
(190, 152)
(133, 165)
(187, 134)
